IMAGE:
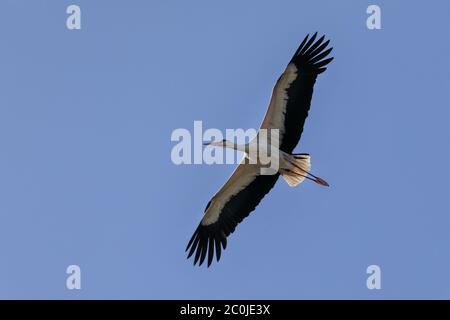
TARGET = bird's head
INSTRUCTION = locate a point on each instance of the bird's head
(220, 143)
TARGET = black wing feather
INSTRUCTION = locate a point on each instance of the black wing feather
(238, 207)
(309, 62)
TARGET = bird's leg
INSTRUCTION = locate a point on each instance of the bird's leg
(309, 175)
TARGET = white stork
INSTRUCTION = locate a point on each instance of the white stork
(287, 112)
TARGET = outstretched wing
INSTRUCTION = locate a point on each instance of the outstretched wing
(235, 200)
(291, 96)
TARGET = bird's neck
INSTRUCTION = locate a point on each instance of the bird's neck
(240, 147)
(235, 146)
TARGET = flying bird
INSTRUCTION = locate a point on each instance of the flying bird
(287, 112)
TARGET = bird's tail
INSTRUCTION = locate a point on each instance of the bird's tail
(299, 170)
(301, 163)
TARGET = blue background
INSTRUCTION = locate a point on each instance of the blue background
(86, 176)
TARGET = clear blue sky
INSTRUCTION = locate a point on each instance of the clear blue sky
(85, 170)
